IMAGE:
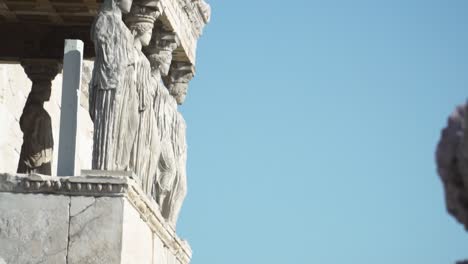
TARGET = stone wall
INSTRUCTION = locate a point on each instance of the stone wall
(83, 219)
(14, 89)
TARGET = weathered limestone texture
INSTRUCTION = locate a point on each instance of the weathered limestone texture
(33, 228)
(170, 186)
(14, 89)
(84, 219)
(452, 164)
(95, 234)
(137, 238)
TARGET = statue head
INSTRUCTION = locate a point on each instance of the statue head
(141, 20)
(179, 77)
(160, 49)
(41, 72)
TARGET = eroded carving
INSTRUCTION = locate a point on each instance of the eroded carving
(147, 146)
(170, 123)
(38, 143)
(113, 99)
(179, 77)
(134, 97)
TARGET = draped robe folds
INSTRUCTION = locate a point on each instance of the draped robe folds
(37, 149)
(179, 186)
(146, 149)
(113, 99)
(171, 174)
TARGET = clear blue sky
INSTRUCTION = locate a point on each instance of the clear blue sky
(312, 127)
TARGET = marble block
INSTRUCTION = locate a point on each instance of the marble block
(83, 219)
(33, 228)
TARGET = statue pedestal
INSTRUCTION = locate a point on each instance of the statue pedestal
(83, 219)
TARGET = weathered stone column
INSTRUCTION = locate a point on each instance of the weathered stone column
(68, 164)
(37, 149)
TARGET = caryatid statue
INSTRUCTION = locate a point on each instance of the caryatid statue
(452, 163)
(38, 142)
(113, 97)
(146, 149)
(180, 75)
(171, 124)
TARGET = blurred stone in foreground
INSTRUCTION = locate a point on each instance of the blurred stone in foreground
(452, 164)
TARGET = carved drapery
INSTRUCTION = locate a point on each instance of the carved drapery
(146, 147)
(35, 123)
(113, 99)
(135, 93)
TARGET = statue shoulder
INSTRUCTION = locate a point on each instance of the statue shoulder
(104, 26)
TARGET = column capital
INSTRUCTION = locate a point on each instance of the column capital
(41, 69)
(180, 74)
(160, 49)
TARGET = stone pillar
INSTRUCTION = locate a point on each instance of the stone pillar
(37, 149)
(68, 162)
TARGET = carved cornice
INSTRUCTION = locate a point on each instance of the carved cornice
(198, 12)
(102, 184)
(149, 212)
(81, 186)
(186, 18)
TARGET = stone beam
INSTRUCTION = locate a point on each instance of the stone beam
(6, 13)
(37, 29)
(40, 41)
(186, 19)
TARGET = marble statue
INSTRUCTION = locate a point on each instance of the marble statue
(170, 122)
(113, 98)
(37, 149)
(452, 164)
(146, 148)
(135, 91)
(35, 123)
(180, 75)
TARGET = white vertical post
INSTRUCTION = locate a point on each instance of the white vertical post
(68, 160)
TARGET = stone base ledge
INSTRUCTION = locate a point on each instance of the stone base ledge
(116, 190)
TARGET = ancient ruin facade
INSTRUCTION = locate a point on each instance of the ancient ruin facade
(141, 57)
